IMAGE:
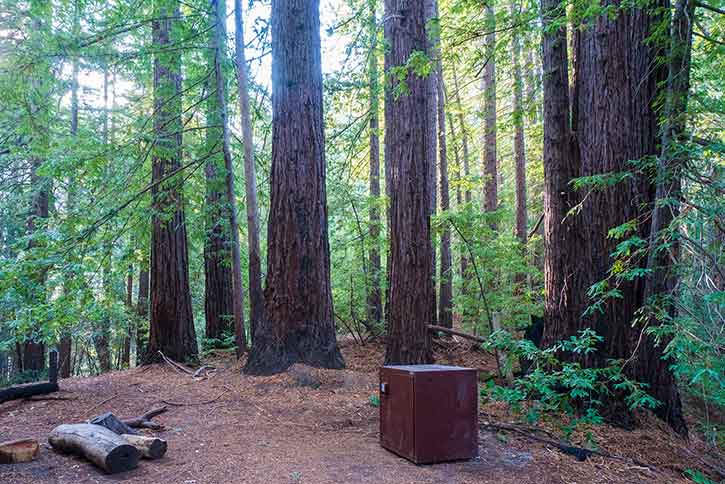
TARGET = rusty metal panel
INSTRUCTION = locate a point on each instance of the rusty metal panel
(436, 406)
(396, 412)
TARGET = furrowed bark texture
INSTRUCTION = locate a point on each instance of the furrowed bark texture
(563, 240)
(298, 325)
(617, 82)
(407, 117)
(172, 325)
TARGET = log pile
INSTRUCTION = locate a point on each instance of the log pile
(109, 442)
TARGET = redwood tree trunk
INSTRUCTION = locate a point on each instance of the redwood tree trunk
(488, 84)
(618, 80)
(466, 171)
(431, 138)
(218, 280)
(142, 311)
(256, 296)
(172, 325)
(126, 354)
(33, 348)
(219, 39)
(407, 120)
(519, 143)
(616, 83)
(374, 299)
(563, 240)
(298, 325)
(445, 305)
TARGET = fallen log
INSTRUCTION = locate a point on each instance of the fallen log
(443, 329)
(144, 421)
(25, 391)
(17, 451)
(112, 423)
(107, 450)
(33, 389)
(150, 447)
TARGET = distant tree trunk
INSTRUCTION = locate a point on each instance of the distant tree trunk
(256, 296)
(407, 121)
(65, 344)
(298, 325)
(218, 283)
(142, 311)
(32, 348)
(102, 330)
(532, 83)
(374, 299)
(220, 36)
(488, 85)
(172, 325)
(519, 143)
(432, 81)
(218, 279)
(466, 167)
(445, 306)
(126, 354)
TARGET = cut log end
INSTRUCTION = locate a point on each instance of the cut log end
(150, 447)
(17, 451)
(122, 458)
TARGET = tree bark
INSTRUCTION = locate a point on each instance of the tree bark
(298, 325)
(218, 279)
(466, 170)
(407, 121)
(374, 299)
(563, 239)
(431, 138)
(172, 325)
(256, 296)
(519, 141)
(126, 354)
(220, 35)
(65, 344)
(488, 86)
(619, 123)
(142, 311)
(445, 306)
(32, 348)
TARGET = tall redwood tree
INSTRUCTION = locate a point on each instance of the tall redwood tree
(171, 328)
(612, 107)
(407, 118)
(298, 323)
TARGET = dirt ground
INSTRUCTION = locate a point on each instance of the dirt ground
(308, 426)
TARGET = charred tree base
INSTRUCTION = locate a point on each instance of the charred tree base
(269, 356)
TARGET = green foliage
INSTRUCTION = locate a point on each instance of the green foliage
(559, 382)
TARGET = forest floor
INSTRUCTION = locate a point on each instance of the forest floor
(311, 426)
